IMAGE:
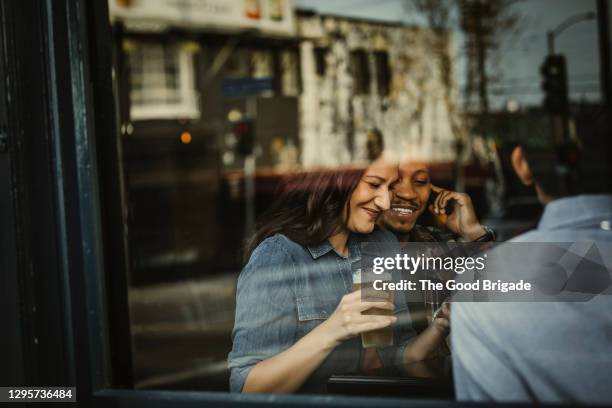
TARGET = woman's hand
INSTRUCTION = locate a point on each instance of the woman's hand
(288, 370)
(430, 342)
(347, 320)
(462, 221)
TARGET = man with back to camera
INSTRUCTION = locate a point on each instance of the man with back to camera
(541, 352)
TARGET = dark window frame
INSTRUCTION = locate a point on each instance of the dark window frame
(320, 55)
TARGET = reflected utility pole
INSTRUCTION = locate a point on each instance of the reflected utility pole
(556, 99)
(249, 174)
(567, 23)
(555, 83)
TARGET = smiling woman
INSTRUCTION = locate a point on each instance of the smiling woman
(367, 202)
(287, 336)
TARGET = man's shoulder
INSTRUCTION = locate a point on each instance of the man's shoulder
(563, 235)
(533, 235)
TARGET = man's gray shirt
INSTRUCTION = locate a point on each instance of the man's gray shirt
(545, 352)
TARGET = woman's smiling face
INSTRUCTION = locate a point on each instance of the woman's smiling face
(410, 197)
(371, 197)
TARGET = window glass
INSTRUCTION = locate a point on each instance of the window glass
(262, 65)
(360, 68)
(228, 106)
(383, 76)
(290, 73)
(162, 80)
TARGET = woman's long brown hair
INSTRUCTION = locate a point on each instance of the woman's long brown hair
(309, 207)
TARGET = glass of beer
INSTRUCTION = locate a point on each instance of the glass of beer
(379, 337)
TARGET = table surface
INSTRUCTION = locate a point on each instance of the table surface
(430, 378)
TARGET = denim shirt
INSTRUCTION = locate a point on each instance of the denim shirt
(286, 290)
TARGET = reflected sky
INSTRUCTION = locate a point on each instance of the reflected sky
(517, 63)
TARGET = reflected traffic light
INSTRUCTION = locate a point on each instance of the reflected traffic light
(245, 135)
(554, 84)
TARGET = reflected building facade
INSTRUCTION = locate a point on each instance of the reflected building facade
(308, 88)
